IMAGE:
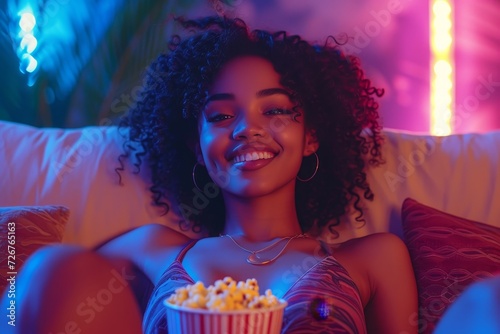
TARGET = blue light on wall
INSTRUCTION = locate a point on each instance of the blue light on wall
(27, 43)
(55, 39)
(27, 22)
(28, 63)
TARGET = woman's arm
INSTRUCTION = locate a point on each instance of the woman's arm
(149, 248)
(141, 255)
(393, 303)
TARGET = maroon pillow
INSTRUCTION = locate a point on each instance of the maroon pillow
(23, 230)
(448, 253)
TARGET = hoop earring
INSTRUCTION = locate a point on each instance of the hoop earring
(194, 178)
(315, 171)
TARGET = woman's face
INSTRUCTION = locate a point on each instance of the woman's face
(251, 140)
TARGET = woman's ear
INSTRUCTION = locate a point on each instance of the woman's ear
(199, 154)
(194, 146)
(311, 143)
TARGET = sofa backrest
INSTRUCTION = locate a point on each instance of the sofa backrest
(458, 174)
(76, 168)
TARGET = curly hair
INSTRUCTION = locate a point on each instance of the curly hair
(339, 104)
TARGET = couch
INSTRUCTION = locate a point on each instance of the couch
(441, 195)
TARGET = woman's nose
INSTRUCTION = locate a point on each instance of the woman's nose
(248, 127)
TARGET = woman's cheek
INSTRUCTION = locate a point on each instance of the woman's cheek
(213, 150)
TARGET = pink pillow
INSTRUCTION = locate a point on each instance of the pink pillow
(23, 230)
(448, 253)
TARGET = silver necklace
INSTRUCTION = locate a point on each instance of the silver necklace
(254, 258)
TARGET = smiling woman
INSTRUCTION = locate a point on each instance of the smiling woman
(322, 88)
(244, 113)
(239, 123)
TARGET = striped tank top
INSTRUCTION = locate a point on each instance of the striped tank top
(323, 300)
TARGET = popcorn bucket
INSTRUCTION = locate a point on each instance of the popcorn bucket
(186, 320)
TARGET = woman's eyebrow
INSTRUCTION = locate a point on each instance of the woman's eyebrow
(272, 91)
(219, 97)
(261, 93)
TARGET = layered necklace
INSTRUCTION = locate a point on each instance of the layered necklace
(254, 257)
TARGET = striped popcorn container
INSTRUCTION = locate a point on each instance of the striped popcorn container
(199, 321)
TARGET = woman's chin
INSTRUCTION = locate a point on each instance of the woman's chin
(252, 189)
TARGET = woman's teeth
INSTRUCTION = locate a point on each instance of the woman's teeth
(253, 156)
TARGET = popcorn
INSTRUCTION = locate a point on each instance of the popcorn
(224, 295)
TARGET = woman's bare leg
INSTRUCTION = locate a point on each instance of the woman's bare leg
(66, 289)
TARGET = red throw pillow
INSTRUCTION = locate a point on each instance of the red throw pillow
(23, 230)
(448, 253)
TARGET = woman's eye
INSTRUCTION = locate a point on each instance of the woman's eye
(218, 118)
(278, 111)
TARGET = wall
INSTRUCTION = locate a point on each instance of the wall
(392, 39)
(111, 45)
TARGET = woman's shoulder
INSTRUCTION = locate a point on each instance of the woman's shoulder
(380, 238)
(377, 252)
(371, 258)
(387, 282)
(376, 244)
(146, 246)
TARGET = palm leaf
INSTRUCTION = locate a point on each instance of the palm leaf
(109, 83)
(91, 55)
